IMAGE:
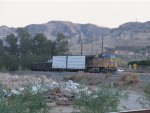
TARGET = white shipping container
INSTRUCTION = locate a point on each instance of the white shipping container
(59, 62)
(76, 62)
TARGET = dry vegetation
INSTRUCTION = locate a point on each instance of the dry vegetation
(128, 79)
(96, 79)
(89, 78)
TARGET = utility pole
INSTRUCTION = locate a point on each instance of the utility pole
(81, 48)
(67, 47)
(92, 48)
(102, 43)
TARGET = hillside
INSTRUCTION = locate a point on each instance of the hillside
(71, 30)
(128, 34)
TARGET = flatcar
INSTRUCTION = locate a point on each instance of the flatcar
(41, 66)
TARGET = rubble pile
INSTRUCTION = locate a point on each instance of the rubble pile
(60, 92)
(64, 92)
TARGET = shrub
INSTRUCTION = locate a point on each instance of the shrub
(11, 62)
(144, 100)
(106, 99)
(147, 93)
(147, 89)
(130, 78)
(27, 102)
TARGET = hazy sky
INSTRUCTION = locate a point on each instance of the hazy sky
(103, 13)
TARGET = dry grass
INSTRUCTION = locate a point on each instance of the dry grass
(73, 78)
(108, 75)
(128, 79)
(90, 78)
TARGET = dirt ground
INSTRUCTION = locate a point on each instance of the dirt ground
(16, 79)
(62, 109)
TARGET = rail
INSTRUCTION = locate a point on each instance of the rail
(134, 111)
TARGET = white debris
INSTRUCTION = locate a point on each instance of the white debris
(88, 92)
(15, 92)
(36, 88)
(95, 96)
(53, 85)
(21, 89)
(17, 84)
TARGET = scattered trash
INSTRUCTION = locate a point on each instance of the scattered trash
(53, 85)
(61, 92)
(15, 92)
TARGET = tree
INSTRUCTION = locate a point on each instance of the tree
(11, 44)
(53, 49)
(25, 41)
(1, 54)
(1, 43)
(38, 44)
(41, 45)
(48, 48)
(1, 47)
(61, 44)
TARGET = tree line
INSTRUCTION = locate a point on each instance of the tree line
(21, 50)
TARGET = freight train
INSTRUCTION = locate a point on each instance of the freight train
(90, 63)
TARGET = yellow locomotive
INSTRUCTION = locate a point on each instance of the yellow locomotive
(101, 63)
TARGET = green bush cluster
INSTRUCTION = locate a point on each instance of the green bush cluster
(106, 99)
(27, 102)
(147, 93)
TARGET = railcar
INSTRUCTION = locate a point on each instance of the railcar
(41, 66)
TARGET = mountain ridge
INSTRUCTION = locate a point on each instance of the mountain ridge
(128, 34)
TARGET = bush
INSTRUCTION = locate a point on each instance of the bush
(106, 99)
(27, 102)
(147, 89)
(11, 62)
(145, 99)
(147, 93)
(2, 64)
(130, 78)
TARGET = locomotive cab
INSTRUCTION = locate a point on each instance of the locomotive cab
(101, 63)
